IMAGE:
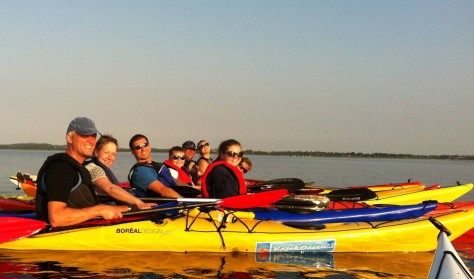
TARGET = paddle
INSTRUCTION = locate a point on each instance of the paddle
(14, 228)
(238, 202)
(302, 204)
(290, 184)
(351, 194)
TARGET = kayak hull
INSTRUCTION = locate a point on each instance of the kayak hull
(248, 235)
(8, 204)
(444, 194)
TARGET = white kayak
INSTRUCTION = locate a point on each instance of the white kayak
(447, 263)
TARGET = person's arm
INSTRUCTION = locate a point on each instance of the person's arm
(158, 187)
(60, 214)
(202, 166)
(118, 193)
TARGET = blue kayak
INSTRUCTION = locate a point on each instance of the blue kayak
(370, 214)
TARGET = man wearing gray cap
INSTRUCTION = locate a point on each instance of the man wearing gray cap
(65, 194)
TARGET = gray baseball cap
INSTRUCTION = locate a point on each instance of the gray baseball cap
(83, 126)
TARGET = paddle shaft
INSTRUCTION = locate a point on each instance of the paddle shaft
(169, 208)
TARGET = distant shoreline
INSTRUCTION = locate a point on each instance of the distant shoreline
(47, 146)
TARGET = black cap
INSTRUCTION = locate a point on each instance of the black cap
(189, 145)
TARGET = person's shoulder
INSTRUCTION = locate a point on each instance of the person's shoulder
(143, 168)
(220, 168)
(92, 166)
(61, 164)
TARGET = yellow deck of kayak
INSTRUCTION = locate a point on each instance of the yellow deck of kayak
(444, 194)
(399, 191)
(249, 235)
(375, 188)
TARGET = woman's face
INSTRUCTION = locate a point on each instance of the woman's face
(177, 158)
(233, 155)
(204, 147)
(107, 154)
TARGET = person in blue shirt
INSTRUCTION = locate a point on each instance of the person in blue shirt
(149, 178)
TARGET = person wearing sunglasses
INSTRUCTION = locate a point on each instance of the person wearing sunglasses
(175, 163)
(205, 160)
(107, 184)
(223, 178)
(149, 178)
(65, 194)
(189, 163)
(245, 165)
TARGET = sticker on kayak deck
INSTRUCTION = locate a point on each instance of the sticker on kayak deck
(296, 246)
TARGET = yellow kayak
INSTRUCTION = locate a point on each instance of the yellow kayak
(444, 194)
(189, 234)
(399, 191)
(375, 188)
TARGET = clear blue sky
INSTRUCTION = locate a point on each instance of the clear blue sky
(335, 76)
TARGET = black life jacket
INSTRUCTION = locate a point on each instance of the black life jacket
(82, 194)
(108, 172)
(164, 176)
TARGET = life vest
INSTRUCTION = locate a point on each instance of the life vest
(183, 174)
(199, 178)
(164, 176)
(238, 174)
(108, 172)
(208, 160)
(81, 195)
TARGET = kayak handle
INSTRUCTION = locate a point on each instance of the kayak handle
(439, 226)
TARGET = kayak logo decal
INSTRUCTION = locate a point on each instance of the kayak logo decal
(132, 230)
(296, 246)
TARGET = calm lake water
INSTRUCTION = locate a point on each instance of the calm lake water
(337, 172)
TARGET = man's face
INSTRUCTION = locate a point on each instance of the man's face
(189, 154)
(141, 150)
(82, 146)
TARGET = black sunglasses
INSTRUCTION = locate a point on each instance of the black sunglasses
(234, 154)
(176, 157)
(138, 147)
(203, 145)
(244, 170)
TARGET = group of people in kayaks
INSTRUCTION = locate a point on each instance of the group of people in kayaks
(69, 184)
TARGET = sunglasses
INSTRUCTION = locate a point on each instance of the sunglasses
(233, 154)
(138, 147)
(176, 157)
(203, 145)
(244, 170)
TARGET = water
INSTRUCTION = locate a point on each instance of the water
(322, 171)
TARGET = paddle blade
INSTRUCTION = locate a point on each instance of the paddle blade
(289, 184)
(302, 204)
(14, 228)
(350, 194)
(253, 200)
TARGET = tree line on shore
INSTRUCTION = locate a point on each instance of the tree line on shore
(47, 146)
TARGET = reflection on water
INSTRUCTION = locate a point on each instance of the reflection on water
(91, 264)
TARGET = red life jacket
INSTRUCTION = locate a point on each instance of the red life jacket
(182, 174)
(235, 170)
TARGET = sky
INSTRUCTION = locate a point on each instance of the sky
(331, 76)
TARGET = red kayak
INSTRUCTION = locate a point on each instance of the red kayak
(16, 205)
